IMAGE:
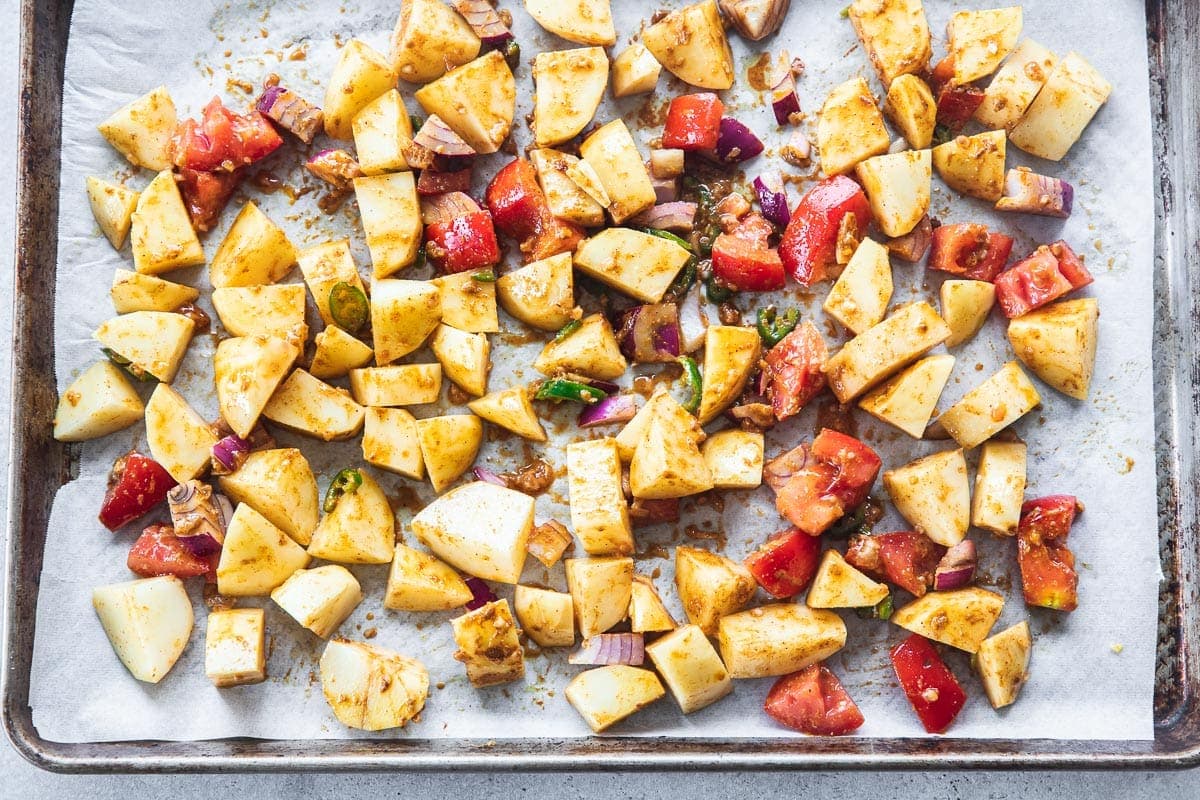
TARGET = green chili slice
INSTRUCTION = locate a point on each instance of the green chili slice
(512, 53)
(127, 366)
(941, 134)
(716, 292)
(670, 237)
(852, 523)
(345, 482)
(773, 329)
(881, 610)
(484, 276)
(694, 382)
(348, 307)
(567, 330)
(559, 389)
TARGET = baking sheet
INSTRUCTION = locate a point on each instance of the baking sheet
(1092, 670)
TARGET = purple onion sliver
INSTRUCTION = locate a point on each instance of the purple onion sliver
(957, 567)
(784, 101)
(1028, 192)
(487, 476)
(673, 216)
(481, 594)
(227, 450)
(484, 20)
(736, 143)
(666, 190)
(611, 410)
(608, 387)
(436, 136)
(268, 98)
(611, 648)
(772, 198)
(200, 545)
(666, 339)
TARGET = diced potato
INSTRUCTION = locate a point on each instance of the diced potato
(584, 176)
(314, 408)
(161, 234)
(647, 614)
(479, 528)
(546, 617)
(730, 358)
(541, 294)
(99, 402)
(179, 438)
(403, 314)
(429, 39)
(254, 251)
(979, 40)
(600, 589)
(908, 400)
(390, 441)
(148, 622)
(612, 153)
(638, 264)
(590, 350)
(1014, 86)
(691, 668)
(1058, 343)
(973, 165)
(999, 487)
(391, 219)
(361, 74)
(485, 119)
(397, 385)
(468, 304)
(510, 409)
(112, 206)
(961, 618)
(990, 407)
(152, 342)
(606, 695)
(660, 406)
(837, 584)
(264, 310)
(319, 599)
(778, 639)
(337, 354)
(235, 650)
(371, 688)
(565, 198)
(691, 44)
(710, 586)
(278, 484)
(449, 445)
(569, 87)
(142, 130)
(599, 513)
(898, 189)
(465, 357)
(1003, 664)
(850, 128)
(1071, 96)
(965, 307)
(933, 494)
(666, 465)
(256, 556)
(247, 370)
(877, 354)
(418, 581)
(635, 71)
(911, 108)
(382, 130)
(860, 296)
(133, 291)
(324, 266)
(734, 458)
(579, 21)
(895, 35)
(361, 529)
(488, 645)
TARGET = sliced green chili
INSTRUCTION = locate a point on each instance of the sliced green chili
(567, 330)
(559, 389)
(670, 237)
(512, 53)
(694, 382)
(845, 12)
(850, 524)
(941, 134)
(348, 306)
(881, 610)
(345, 482)
(127, 366)
(716, 292)
(484, 276)
(773, 329)
(682, 283)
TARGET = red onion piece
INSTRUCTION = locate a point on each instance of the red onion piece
(229, 453)
(736, 143)
(291, 112)
(195, 514)
(487, 476)
(779, 470)
(336, 167)
(446, 206)
(913, 246)
(666, 190)
(268, 97)
(772, 199)
(481, 594)
(784, 100)
(676, 216)
(609, 411)
(649, 334)
(693, 325)
(437, 137)
(484, 20)
(611, 648)
(1028, 192)
(957, 567)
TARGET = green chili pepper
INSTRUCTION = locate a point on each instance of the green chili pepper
(512, 53)
(881, 610)
(484, 276)
(716, 292)
(421, 259)
(845, 12)
(682, 283)
(773, 329)
(345, 482)
(941, 134)
(694, 382)
(850, 524)
(567, 330)
(670, 237)
(559, 389)
(127, 366)
(416, 123)
(348, 307)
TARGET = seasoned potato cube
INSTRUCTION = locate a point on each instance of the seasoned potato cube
(468, 304)
(510, 409)
(586, 178)
(420, 582)
(278, 484)
(235, 650)
(565, 198)
(382, 130)
(607, 695)
(403, 314)
(179, 438)
(99, 402)
(488, 645)
(153, 342)
(999, 487)
(324, 266)
(1003, 664)
(161, 234)
(397, 385)
(691, 44)
(898, 189)
(391, 219)
(337, 354)
(264, 310)
(546, 617)
(112, 206)
(1058, 343)
(371, 688)
(730, 357)
(895, 35)
(148, 622)
(635, 71)
(778, 639)
(990, 407)
(979, 40)
(479, 528)
(860, 296)
(319, 599)
(638, 264)
(734, 458)
(850, 128)
(449, 445)
(256, 556)
(485, 119)
(911, 108)
(1014, 86)
(360, 75)
(580, 21)
(600, 589)
(710, 586)
(464, 357)
(599, 513)
(590, 350)
(666, 465)
(907, 400)
(429, 39)
(359, 530)
(247, 370)
(691, 668)
(961, 618)
(647, 614)
(965, 307)
(314, 408)
(390, 441)
(878, 353)
(255, 251)
(1071, 96)
(612, 153)
(142, 130)
(660, 406)
(133, 291)
(973, 165)
(541, 294)
(933, 494)
(837, 584)
(569, 87)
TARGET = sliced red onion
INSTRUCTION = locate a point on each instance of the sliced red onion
(913, 246)
(1028, 192)
(957, 567)
(484, 20)
(437, 137)
(609, 411)
(229, 454)
(195, 514)
(481, 594)
(676, 216)
(693, 324)
(268, 97)
(779, 470)
(649, 334)
(666, 163)
(611, 648)
(487, 476)
(336, 167)
(772, 199)
(736, 143)
(666, 190)
(291, 112)
(784, 100)
(446, 206)
(798, 150)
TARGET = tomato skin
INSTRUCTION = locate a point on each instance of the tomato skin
(816, 485)
(813, 701)
(519, 210)
(1047, 274)
(1048, 575)
(904, 558)
(693, 122)
(957, 104)
(206, 194)
(744, 260)
(810, 240)
(855, 464)
(158, 551)
(970, 250)
(137, 484)
(431, 182)
(463, 243)
(792, 373)
(223, 140)
(785, 564)
(931, 687)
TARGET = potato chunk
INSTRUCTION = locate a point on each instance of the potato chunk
(488, 645)
(600, 589)
(710, 586)
(973, 165)
(391, 219)
(142, 130)
(898, 189)
(278, 484)
(565, 198)
(1014, 86)
(153, 342)
(391, 441)
(161, 234)
(396, 385)
(403, 314)
(590, 350)
(606, 695)
(611, 152)
(360, 529)
(734, 458)
(691, 668)
(112, 206)
(647, 614)
(908, 400)
(179, 438)
(635, 71)
(360, 75)
(541, 294)
(485, 117)
(990, 407)
(638, 264)
(547, 617)
(730, 357)
(371, 688)
(314, 408)
(1003, 664)
(133, 291)
(468, 304)
(420, 582)
(254, 251)
(667, 465)
(569, 87)
(860, 296)
(99, 402)
(264, 310)
(895, 35)
(512, 410)
(691, 44)
(660, 406)
(875, 355)
(479, 528)
(933, 494)
(839, 585)
(429, 39)
(580, 21)
(1058, 343)
(960, 618)
(247, 370)
(337, 354)
(911, 108)
(599, 512)
(850, 128)
(449, 445)
(778, 639)
(1071, 96)
(324, 266)
(965, 307)
(465, 357)
(320, 599)
(999, 487)
(148, 622)
(256, 556)
(979, 40)
(235, 650)
(382, 131)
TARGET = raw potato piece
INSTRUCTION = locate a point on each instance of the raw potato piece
(607, 695)
(635, 71)
(647, 614)
(397, 385)
(337, 354)
(510, 409)
(611, 152)
(319, 599)
(691, 668)
(255, 251)
(965, 307)
(152, 342)
(565, 198)
(468, 304)
(579, 21)
(1003, 664)
(839, 585)
(479, 528)
(324, 266)
(961, 618)
(911, 108)
(235, 650)
(850, 128)
(142, 130)
(778, 639)
(382, 130)
(256, 556)
(895, 35)
(541, 294)
(973, 165)
(586, 178)
(660, 406)
(361, 74)
(933, 494)
(990, 407)
(264, 310)
(179, 438)
(488, 645)
(691, 44)
(391, 219)
(978, 41)
(97, 403)
(590, 350)
(429, 39)
(420, 582)
(600, 589)
(371, 688)
(464, 357)
(734, 458)
(1066, 104)
(278, 484)
(148, 623)
(485, 118)
(314, 408)
(710, 586)
(161, 234)
(1058, 343)
(999, 487)
(908, 400)
(403, 314)
(667, 465)
(599, 513)
(390, 441)
(898, 189)
(860, 297)
(449, 445)
(359, 530)
(638, 264)
(133, 291)
(247, 370)
(893, 344)
(569, 87)
(112, 206)
(730, 357)
(546, 617)
(1014, 86)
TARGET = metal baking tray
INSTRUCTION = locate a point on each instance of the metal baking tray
(39, 465)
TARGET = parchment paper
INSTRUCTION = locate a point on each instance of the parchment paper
(1092, 671)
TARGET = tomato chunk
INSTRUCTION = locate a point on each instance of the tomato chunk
(785, 564)
(158, 551)
(693, 122)
(906, 559)
(206, 194)
(1047, 566)
(463, 243)
(816, 485)
(431, 182)
(813, 701)
(792, 372)
(744, 260)
(955, 104)
(809, 243)
(855, 465)
(223, 140)
(931, 687)
(519, 211)
(136, 484)
(1047, 274)
(970, 250)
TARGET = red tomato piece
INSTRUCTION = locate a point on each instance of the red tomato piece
(206, 194)
(644, 512)
(463, 243)
(1047, 566)
(970, 250)
(931, 687)
(693, 122)
(158, 551)
(1071, 265)
(942, 74)
(809, 243)
(553, 236)
(957, 104)
(136, 484)
(431, 183)
(815, 486)
(909, 560)
(785, 564)
(223, 140)
(519, 210)
(792, 372)
(744, 260)
(1047, 274)
(813, 701)
(855, 465)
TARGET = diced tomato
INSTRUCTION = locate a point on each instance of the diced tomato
(785, 564)
(1047, 274)
(815, 486)
(957, 104)
(463, 243)
(644, 512)
(431, 182)
(970, 250)
(206, 194)
(136, 484)
(809, 243)
(223, 140)
(158, 551)
(1047, 565)
(855, 465)
(693, 122)
(792, 374)
(519, 210)
(931, 687)
(942, 74)
(1071, 265)
(813, 701)
(909, 559)
(744, 260)
(553, 236)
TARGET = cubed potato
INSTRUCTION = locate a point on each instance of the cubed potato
(403, 314)
(371, 688)
(908, 399)
(390, 441)
(1003, 664)
(691, 668)
(391, 219)
(691, 44)
(911, 108)
(397, 385)
(880, 352)
(255, 251)
(979, 40)
(153, 342)
(148, 622)
(278, 484)
(485, 119)
(418, 581)
(898, 189)
(324, 266)
(647, 613)
(590, 350)
(606, 695)
(999, 487)
(235, 650)
(488, 645)
(449, 445)
(161, 234)
(429, 39)
(990, 407)
(247, 370)
(1014, 86)
(264, 310)
(465, 357)
(142, 130)
(961, 618)
(837, 584)
(179, 438)
(512, 410)
(468, 304)
(314, 408)
(666, 465)
(112, 206)
(586, 178)
(1058, 343)
(635, 71)
(361, 529)
(934, 495)
(99, 402)
(730, 358)
(546, 617)
(569, 87)
(1071, 96)
(133, 291)
(541, 294)
(965, 307)
(600, 589)
(860, 296)
(734, 458)
(579, 21)
(612, 153)
(319, 599)
(599, 513)
(256, 556)
(382, 130)
(973, 165)
(778, 639)
(895, 35)
(660, 406)
(337, 354)
(638, 264)
(480, 528)
(710, 586)
(360, 75)
(565, 198)
(850, 128)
